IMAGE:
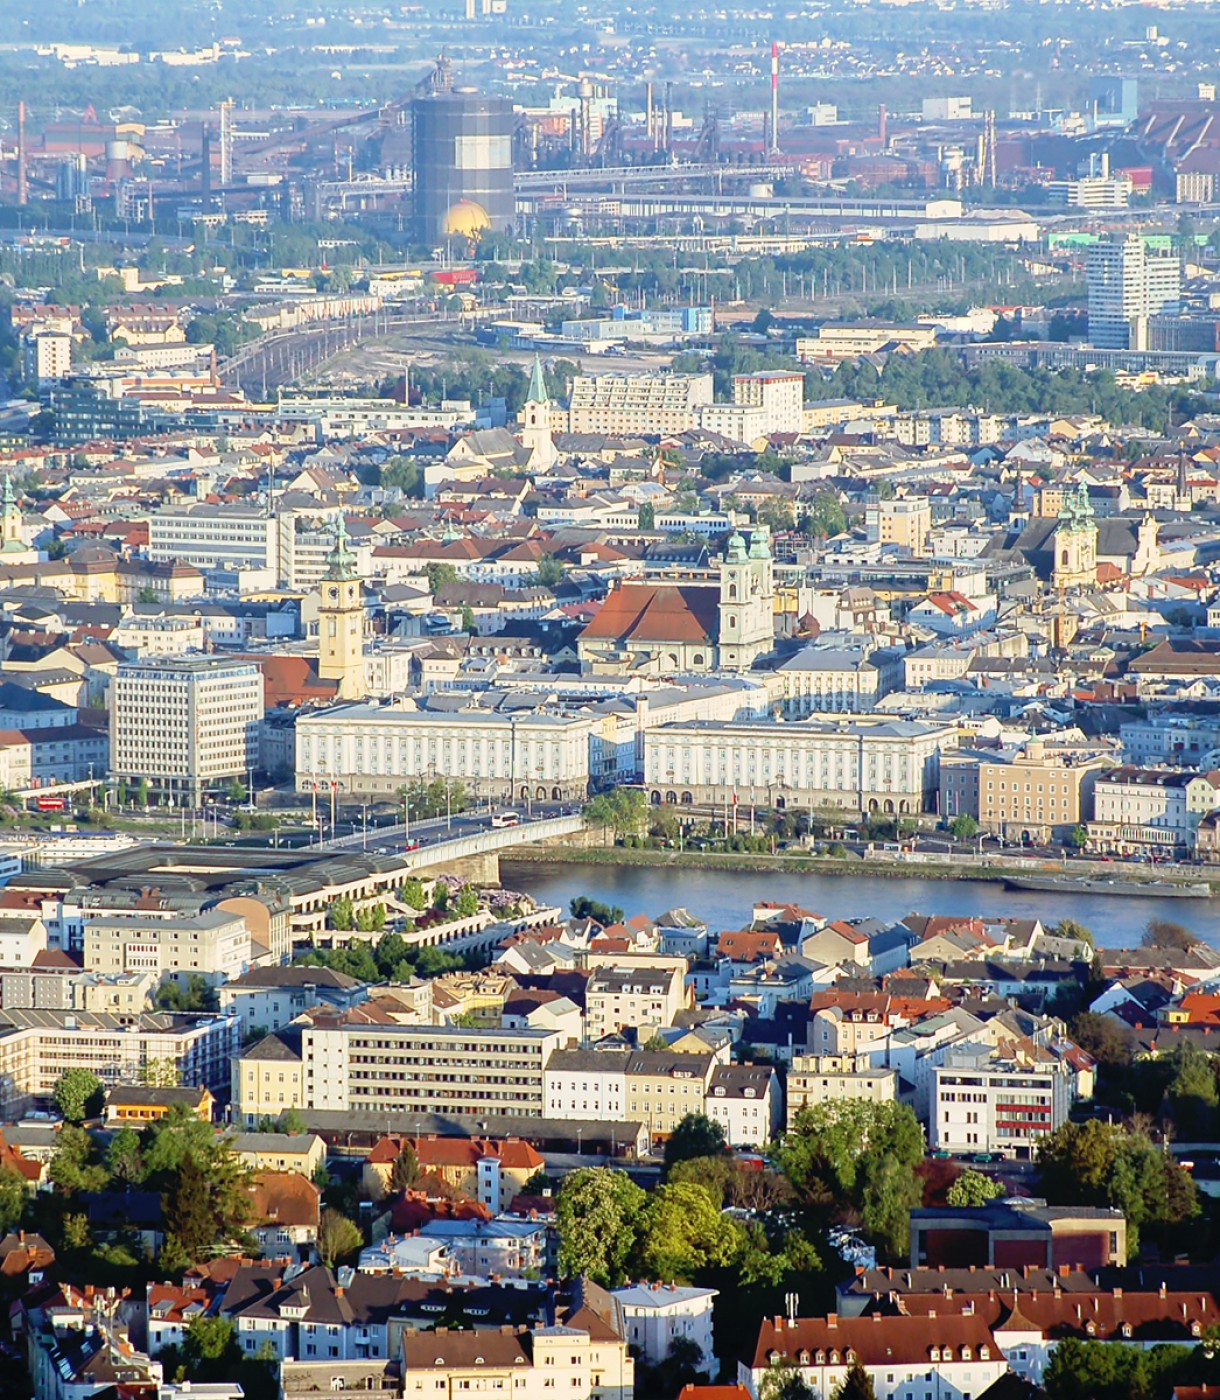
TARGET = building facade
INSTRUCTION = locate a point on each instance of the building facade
(185, 725)
(890, 766)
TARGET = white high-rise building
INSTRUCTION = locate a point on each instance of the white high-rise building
(1128, 283)
(185, 724)
(213, 537)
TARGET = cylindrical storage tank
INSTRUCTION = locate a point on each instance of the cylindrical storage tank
(462, 148)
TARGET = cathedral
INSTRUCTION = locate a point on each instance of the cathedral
(722, 624)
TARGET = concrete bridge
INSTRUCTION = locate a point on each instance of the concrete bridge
(476, 856)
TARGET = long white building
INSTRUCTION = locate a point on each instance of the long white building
(379, 748)
(637, 403)
(889, 766)
(213, 537)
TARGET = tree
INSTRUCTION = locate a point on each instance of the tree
(824, 516)
(1164, 933)
(1074, 930)
(582, 907)
(696, 1135)
(79, 1094)
(236, 790)
(466, 905)
(412, 894)
(14, 1196)
(1192, 1096)
(406, 1170)
(624, 809)
(550, 570)
(124, 1159)
(190, 1218)
(964, 827)
(783, 1381)
(142, 792)
(292, 1121)
(857, 1384)
(341, 915)
(683, 1232)
(209, 1342)
(598, 1213)
(73, 1167)
(973, 1189)
(1109, 1041)
(1078, 837)
(857, 1156)
(470, 623)
(1107, 1164)
(647, 517)
(338, 1238)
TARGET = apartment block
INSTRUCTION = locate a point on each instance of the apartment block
(393, 1068)
(904, 523)
(637, 403)
(779, 395)
(643, 999)
(36, 1047)
(819, 1079)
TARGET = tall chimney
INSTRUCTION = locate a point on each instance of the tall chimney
(882, 134)
(774, 96)
(23, 180)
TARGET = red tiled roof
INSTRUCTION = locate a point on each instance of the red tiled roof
(876, 1341)
(664, 612)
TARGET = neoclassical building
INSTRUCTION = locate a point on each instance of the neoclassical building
(888, 766)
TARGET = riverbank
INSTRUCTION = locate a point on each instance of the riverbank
(880, 864)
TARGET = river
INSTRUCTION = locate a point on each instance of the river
(723, 899)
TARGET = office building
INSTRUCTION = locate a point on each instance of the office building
(185, 725)
(1005, 1100)
(230, 537)
(213, 944)
(1034, 793)
(462, 152)
(1129, 282)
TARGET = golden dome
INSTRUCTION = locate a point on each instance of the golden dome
(467, 219)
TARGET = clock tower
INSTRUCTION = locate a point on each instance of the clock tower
(341, 620)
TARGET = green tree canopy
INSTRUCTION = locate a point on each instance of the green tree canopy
(696, 1135)
(973, 1189)
(858, 1156)
(79, 1094)
(684, 1232)
(339, 1238)
(599, 1214)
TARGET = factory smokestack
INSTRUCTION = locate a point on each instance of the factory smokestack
(23, 178)
(774, 96)
(882, 134)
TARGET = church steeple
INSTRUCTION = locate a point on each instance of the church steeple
(341, 619)
(10, 514)
(536, 421)
(537, 390)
